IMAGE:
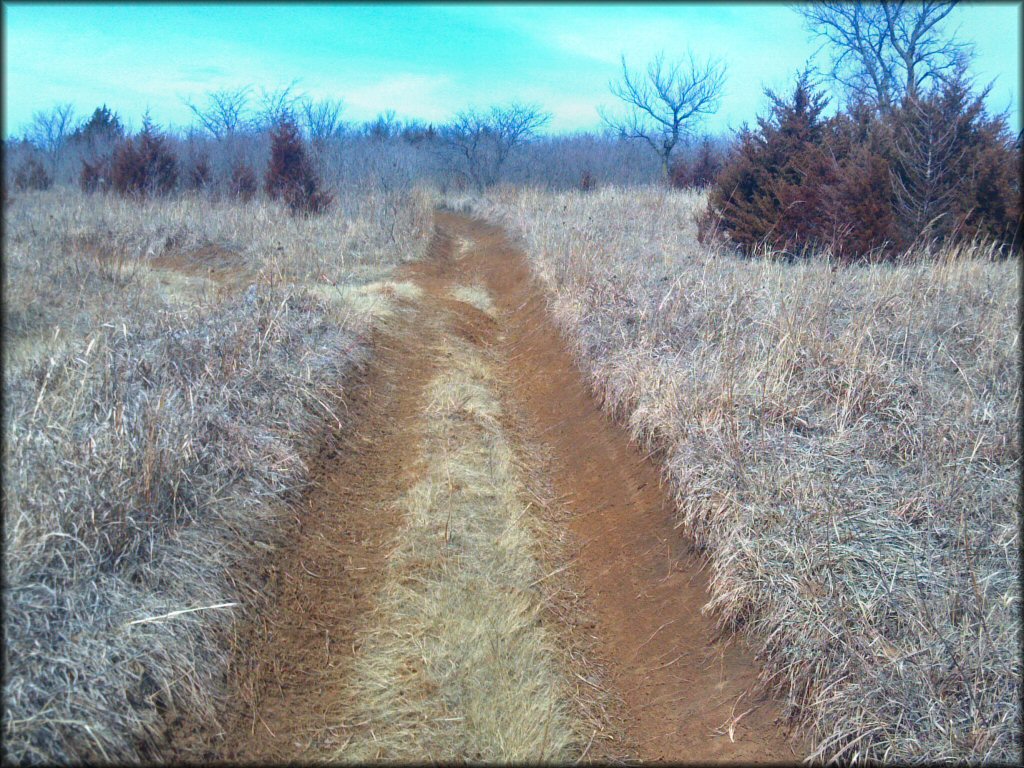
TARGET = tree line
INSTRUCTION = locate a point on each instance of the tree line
(910, 156)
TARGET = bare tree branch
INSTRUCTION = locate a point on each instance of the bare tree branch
(664, 103)
(50, 129)
(277, 104)
(321, 119)
(226, 111)
(486, 139)
(887, 50)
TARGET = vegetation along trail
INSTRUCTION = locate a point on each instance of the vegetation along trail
(488, 569)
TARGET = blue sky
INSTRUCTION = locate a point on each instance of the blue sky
(424, 61)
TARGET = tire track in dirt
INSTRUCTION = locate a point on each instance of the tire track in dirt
(657, 681)
(289, 665)
(687, 692)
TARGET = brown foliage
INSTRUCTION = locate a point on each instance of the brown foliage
(144, 166)
(290, 176)
(862, 186)
(95, 175)
(768, 193)
(243, 185)
(31, 175)
(700, 171)
(587, 181)
(956, 170)
(199, 175)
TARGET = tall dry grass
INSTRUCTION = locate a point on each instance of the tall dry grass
(844, 444)
(157, 422)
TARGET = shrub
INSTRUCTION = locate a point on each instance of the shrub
(857, 201)
(956, 170)
(587, 181)
(290, 176)
(858, 207)
(199, 175)
(243, 183)
(698, 172)
(767, 194)
(861, 186)
(31, 175)
(101, 131)
(145, 166)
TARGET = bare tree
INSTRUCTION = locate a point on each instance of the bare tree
(321, 119)
(666, 102)
(384, 126)
(226, 111)
(484, 140)
(50, 129)
(883, 51)
(277, 105)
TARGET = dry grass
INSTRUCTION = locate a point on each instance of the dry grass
(457, 663)
(166, 366)
(843, 443)
(475, 296)
(378, 300)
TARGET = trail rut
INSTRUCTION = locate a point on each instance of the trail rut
(671, 688)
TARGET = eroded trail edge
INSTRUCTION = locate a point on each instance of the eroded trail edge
(487, 569)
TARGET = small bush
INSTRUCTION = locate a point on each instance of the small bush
(199, 175)
(587, 181)
(956, 170)
(768, 194)
(31, 175)
(103, 128)
(698, 172)
(243, 184)
(145, 166)
(862, 187)
(290, 176)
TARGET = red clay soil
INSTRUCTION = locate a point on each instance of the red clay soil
(682, 684)
(679, 685)
(290, 666)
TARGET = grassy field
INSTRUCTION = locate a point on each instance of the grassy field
(168, 366)
(843, 443)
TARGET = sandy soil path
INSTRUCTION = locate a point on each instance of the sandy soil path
(679, 692)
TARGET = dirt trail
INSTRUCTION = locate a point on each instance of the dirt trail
(679, 686)
(682, 685)
(323, 580)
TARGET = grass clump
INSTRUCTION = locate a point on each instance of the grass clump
(475, 296)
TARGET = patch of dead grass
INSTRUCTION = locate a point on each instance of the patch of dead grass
(458, 664)
(377, 300)
(475, 296)
(157, 424)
